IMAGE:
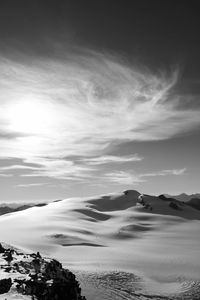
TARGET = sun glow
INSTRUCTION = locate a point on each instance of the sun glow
(31, 116)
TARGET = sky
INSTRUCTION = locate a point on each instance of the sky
(98, 97)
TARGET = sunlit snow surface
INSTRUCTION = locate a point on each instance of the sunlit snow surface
(116, 247)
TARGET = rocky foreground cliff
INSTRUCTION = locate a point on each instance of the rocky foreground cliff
(30, 276)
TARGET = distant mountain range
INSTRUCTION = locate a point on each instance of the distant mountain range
(192, 200)
(184, 197)
(6, 209)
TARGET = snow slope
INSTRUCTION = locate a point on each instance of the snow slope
(112, 232)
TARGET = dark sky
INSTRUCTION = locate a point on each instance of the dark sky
(156, 32)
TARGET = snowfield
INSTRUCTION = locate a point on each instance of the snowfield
(125, 232)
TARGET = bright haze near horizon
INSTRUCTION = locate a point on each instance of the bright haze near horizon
(98, 97)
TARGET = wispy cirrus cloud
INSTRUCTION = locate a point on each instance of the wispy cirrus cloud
(5, 175)
(59, 169)
(123, 177)
(17, 167)
(165, 173)
(131, 178)
(80, 103)
(106, 159)
(28, 185)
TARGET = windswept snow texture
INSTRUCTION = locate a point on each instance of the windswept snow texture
(140, 234)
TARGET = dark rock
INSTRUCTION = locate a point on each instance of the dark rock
(5, 285)
(2, 249)
(8, 269)
(8, 255)
(41, 279)
(40, 204)
(173, 205)
(38, 255)
(163, 197)
(50, 281)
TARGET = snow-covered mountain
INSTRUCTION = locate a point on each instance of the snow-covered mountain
(184, 197)
(155, 236)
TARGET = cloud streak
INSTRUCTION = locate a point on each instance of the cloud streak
(59, 169)
(5, 175)
(131, 178)
(176, 172)
(28, 185)
(17, 167)
(107, 159)
(80, 103)
(123, 177)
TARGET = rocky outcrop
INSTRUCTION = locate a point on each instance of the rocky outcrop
(2, 249)
(173, 205)
(5, 285)
(43, 279)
